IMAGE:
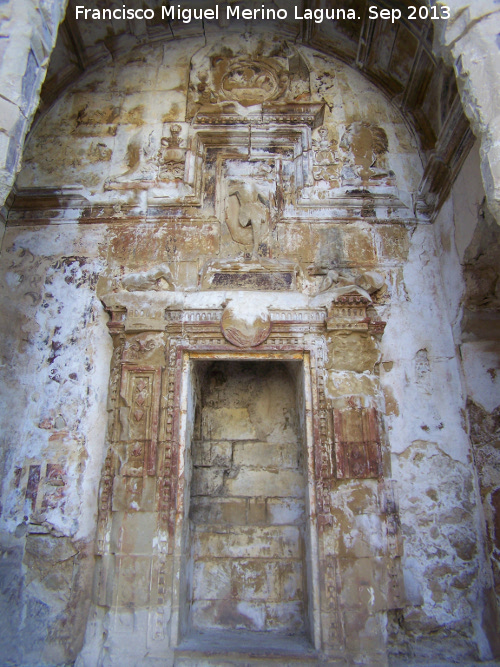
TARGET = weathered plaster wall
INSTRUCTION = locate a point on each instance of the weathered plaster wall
(445, 570)
(469, 241)
(98, 141)
(55, 352)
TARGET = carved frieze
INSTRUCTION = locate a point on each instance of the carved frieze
(267, 275)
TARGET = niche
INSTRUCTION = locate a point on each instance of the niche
(246, 555)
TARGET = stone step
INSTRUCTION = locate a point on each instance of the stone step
(246, 660)
(245, 649)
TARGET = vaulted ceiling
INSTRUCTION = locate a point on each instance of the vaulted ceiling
(396, 56)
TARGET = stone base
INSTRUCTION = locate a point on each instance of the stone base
(241, 648)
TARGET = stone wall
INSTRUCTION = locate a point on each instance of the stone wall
(470, 41)
(247, 503)
(28, 34)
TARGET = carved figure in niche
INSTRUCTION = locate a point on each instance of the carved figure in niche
(247, 214)
(365, 145)
(326, 163)
(157, 279)
(153, 166)
(171, 157)
(205, 95)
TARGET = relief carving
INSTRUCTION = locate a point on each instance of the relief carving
(158, 278)
(326, 163)
(340, 282)
(140, 390)
(249, 82)
(365, 146)
(225, 77)
(247, 215)
(245, 324)
(171, 157)
(152, 165)
(359, 159)
(142, 346)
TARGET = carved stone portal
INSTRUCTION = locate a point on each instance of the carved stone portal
(168, 442)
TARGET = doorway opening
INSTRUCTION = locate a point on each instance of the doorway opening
(247, 571)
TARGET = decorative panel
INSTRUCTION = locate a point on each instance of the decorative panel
(357, 443)
(140, 389)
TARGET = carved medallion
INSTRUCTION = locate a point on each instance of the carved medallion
(251, 83)
(245, 324)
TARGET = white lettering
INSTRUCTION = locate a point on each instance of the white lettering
(232, 12)
(108, 14)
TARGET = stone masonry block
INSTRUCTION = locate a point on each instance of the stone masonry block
(229, 614)
(287, 616)
(212, 579)
(282, 511)
(283, 483)
(208, 453)
(207, 481)
(9, 115)
(265, 455)
(257, 511)
(134, 581)
(248, 542)
(252, 579)
(227, 423)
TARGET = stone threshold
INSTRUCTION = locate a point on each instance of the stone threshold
(241, 647)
